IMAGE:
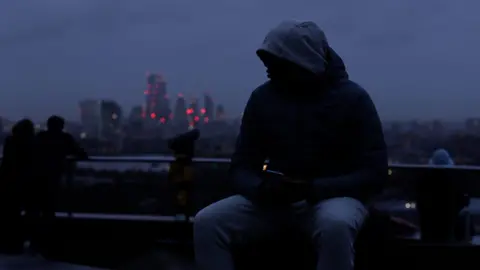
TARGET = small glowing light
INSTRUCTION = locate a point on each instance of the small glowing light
(265, 167)
(162, 120)
(390, 171)
(189, 111)
(196, 118)
(190, 127)
(114, 116)
(205, 120)
(180, 95)
(203, 111)
(153, 115)
(83, 135)
(410, 205)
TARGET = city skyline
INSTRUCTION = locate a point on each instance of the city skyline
(416, 59)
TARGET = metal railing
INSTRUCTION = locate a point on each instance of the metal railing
(403, 176)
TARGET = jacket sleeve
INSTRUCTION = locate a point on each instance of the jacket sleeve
(74, 148)
(370, 161)
(249, 155)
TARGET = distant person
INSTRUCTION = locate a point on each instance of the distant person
(326, 151)
(441, 157)
(53, 146)
(16, 176)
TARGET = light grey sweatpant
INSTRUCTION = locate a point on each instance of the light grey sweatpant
(332, 225)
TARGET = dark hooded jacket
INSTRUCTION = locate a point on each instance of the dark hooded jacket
(18, 158)
(329, 134)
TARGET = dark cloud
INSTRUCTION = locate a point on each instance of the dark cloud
(417, 58)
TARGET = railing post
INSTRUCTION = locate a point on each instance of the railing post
(440, 198)
(181, 170)
(71, 167)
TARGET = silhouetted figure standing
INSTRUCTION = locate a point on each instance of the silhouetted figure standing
(16, 176)
(53, 146)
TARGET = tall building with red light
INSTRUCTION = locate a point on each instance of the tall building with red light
(208, 108)
(193, 113)
(157, 105)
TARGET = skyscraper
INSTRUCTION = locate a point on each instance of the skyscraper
(90, 117)
(208, 108)
(180, 110)
(220, 112)
(157, 105)
(193, 113)
(111, 115)
(135, 113)
(180, 117)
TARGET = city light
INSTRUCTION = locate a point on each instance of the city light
(153, 115)
(410, 205)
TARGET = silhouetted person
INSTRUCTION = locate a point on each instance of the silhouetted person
(53, 146)
(317, 128)
(16, 176)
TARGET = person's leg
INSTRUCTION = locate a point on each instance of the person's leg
(220, 226)
(333, 226)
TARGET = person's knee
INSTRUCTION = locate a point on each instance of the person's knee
(217, 215)
(340, 219)
(208, 218)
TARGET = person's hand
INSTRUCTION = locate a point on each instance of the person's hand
(296, 189)
(283, 190)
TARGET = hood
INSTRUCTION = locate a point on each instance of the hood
(23, 128)
(304, 44)
(441, 157)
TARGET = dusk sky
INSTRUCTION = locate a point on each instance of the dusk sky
(417, 59)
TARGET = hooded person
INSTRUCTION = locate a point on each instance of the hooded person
(15, 183)
(319, 130)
